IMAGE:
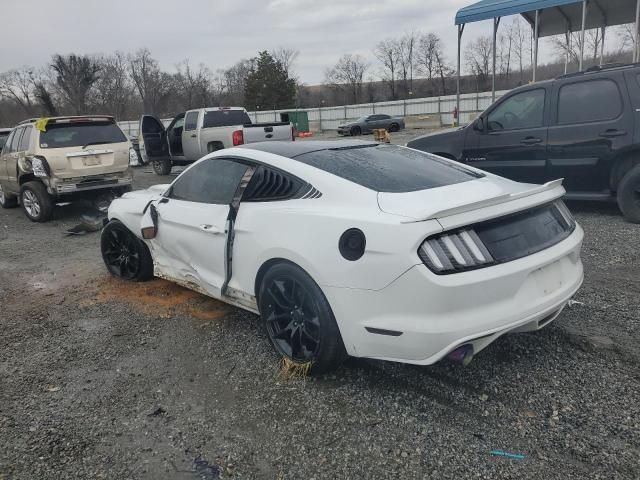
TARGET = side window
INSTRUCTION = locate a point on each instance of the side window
(13, 142)
(522, 110)
(591, 101)
(384, 117)
(191, 121)
(24, 141)
(211, 181)
(7, 145)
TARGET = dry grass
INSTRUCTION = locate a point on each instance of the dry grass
(290, 370)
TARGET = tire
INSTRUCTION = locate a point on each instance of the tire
(394, 127)
(162, 167)
(298, 319)
(629, 195)
(6, 200)
(355, 131)
(36, 202)
(124, 254)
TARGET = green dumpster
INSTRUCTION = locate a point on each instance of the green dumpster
(299, 119)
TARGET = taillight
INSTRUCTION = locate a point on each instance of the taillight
(238, 138)
(293, 133)
(40, 166)
(456, 251)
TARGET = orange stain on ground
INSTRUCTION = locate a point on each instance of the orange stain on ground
(159, 298)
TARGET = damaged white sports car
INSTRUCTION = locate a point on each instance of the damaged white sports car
(355, 248)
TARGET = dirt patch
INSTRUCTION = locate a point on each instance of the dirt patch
(158, 298)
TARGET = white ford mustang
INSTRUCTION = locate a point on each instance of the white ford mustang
(355, 248)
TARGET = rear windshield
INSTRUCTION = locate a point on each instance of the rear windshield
(3, 138)
(389, 168)
(225, 118)
(62, 135)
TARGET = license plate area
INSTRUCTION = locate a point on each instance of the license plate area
(549, 278)
(91, 161)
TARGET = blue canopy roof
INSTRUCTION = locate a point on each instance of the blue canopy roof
(556, 16)
(486, 9)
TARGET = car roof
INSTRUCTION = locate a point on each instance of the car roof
(294, 149)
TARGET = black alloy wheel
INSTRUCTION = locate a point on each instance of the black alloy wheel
(355, 131)
(124, 254)
(298, 319)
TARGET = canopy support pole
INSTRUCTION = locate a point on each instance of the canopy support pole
(496, 22)
(602, 45)
(536, 32)
(584, 21)
(636, 32)
(460, 31)
(567, 36)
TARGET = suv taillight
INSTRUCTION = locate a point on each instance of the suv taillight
(238, 138)
(293, 133)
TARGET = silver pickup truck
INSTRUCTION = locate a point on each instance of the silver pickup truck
(193, 134)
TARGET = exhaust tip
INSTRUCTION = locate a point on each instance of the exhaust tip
(462, 355)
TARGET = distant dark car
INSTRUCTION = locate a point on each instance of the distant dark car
(581, 127)
(371, 122)
(4, 134)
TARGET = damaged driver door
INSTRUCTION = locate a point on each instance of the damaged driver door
(193, 219)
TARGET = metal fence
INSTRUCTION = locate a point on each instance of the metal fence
(418, 112)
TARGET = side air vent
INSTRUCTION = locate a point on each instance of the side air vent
(269, 185)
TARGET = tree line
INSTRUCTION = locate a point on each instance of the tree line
(411, 65)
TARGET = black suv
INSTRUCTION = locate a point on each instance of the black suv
(581, 127)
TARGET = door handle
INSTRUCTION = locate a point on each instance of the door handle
(612, 132)
(211, 229)
(531, 141)
(193, 135)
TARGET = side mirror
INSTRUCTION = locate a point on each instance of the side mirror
(478, 125)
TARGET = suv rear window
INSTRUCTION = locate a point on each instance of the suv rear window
(225, 118)
(80, 134)
(389, 168)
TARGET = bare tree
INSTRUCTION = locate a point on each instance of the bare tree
(406, 59)
(75, 76)
(563, 45)
(194, 85)
(347, 75)
(152, 84)
(477, 56)
(388, 53)
(518, 36)
(232, 81)
(285, 57)
(114, 88)
(17, 86)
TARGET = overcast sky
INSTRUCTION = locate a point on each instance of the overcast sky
(220, 32)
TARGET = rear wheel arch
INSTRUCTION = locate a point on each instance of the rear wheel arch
(28, 177)
(621, 167)
(264, 268)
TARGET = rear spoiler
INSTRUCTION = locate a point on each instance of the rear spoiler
(495, 201)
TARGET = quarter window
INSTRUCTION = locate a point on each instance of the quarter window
(211, 181)
(191, 121)
(591, 101)
(24, 141)
(522, 110)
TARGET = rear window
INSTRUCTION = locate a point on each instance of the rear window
(3, 138)
(62, 135)
(225, 118)
(389, 168)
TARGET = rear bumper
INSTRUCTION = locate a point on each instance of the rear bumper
(75, 185)
(423, 316)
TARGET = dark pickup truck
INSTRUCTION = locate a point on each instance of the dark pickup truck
(581, 127)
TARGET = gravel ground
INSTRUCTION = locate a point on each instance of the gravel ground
(101, 379)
